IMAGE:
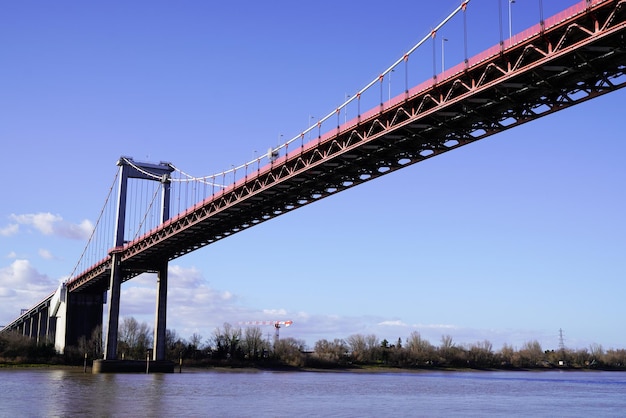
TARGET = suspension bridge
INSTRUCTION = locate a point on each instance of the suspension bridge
(155, 213)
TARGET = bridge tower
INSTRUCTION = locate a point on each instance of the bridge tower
(145, 171)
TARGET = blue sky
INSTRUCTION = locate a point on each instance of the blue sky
(509, 239)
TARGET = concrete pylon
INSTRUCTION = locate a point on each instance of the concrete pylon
(145, 171)
(159, 352)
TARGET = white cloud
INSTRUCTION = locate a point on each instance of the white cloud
(302, 315)
(49, 224)
(45, 254)
(435, 326)
(21, 274)
(275, 312)
(195, 307)
(395, 323)
(81, 231)
(21, 286)
(6, 292)
(43, 222)
(9, 230)
(185, 277)
(12, 254)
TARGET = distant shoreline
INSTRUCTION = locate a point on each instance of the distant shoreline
(288, 369)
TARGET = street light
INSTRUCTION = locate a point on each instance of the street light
(443, 40)
(510, 19)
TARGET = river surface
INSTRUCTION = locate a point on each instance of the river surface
(71, 393)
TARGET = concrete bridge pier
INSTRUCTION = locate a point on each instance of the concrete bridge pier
(39, 325)
(42, 326)
(159, 352)
(84, 315)
(115, 287)
(32, 327)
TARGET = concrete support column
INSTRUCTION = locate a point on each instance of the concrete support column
(34, 327)
(110, 345)
(40, 325)
(47, 334)
(159, 352)
(31, 326)
(46, 327)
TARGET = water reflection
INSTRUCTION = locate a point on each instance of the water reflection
(47, 392)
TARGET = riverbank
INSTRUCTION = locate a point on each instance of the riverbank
(250, 367)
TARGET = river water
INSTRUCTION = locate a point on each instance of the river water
(60, 393)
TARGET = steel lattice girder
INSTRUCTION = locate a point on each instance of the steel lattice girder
(572, 62)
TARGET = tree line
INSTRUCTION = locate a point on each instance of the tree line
(236, 347)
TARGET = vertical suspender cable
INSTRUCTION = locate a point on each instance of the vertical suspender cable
(91, 240)
(433, 35)
(145, 192)
(406, 76)
(381, 78)
(500, 16)
(180, 187)
(466, 59)
(186, 200)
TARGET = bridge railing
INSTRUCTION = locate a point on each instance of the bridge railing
(372, 98)
(372, 95)
(337, 121)
(331, 125)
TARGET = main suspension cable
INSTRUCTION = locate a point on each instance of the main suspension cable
(93, 232)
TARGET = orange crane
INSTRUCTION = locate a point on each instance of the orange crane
(275, 324)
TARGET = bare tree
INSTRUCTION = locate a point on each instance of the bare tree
(253, 344)
(358, 347)
(195, 341)
(373, 347)
(446, 342)
(615, 357)
(331, 350)
(176, 347)
(227, 340)
(134, 338)
(96, 342)
(420, 350)
(289, 351)
(597, 352)
(480, 354)
(128, 333)
(507, 355)
(531, 354)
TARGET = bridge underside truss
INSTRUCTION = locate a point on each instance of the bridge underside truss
(561, 66)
